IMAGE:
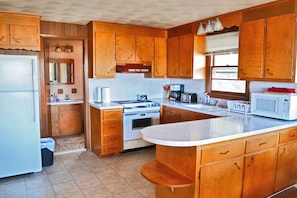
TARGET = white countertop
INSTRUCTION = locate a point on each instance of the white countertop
(201, 132)
(66, 102)
(110, 105)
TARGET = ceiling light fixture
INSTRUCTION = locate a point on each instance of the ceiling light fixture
(211, 26)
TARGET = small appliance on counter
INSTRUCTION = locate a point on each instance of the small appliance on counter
(275, 105)
(239, 106)
(175, 91)
(102, 94)
(141, 97)
(188, 97)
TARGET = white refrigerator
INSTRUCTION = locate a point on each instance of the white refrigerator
(19, 115)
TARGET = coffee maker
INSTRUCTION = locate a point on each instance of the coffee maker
(175, 91)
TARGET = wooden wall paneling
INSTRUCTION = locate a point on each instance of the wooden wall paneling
(63, 29)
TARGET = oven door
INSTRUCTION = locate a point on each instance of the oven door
(133, 123)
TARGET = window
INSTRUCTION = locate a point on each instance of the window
(223, 73)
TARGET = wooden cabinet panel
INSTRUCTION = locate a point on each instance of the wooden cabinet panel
(223, 152)
(286, 174)
(144, 49)
(125, 47)
(104, 55)
(223, 179)
(172, 56)
(251, 54)
(160, 58)
(259, 174)
(106, 131)
(19, 31)
(288, 135)
(261, 143)
(65, 120)
(4, 35)
(280, 42)
(185, 68)
(273, 45)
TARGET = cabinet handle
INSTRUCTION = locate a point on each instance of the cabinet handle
(15, 40)
(224, 153)
(291, 135)
(2, 38)
(130, 56)
(262, 143)
(237, 165)
(283, 152)
(251, 162)
(269, 72)
(242, 71)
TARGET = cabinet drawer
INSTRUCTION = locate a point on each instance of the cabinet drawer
(219, 153)
(112, 127)
(73, 107)
(112, 139)
(112, 114)
(288, 135)
(112, 148)
(261, 143)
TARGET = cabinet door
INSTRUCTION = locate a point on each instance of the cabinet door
(125, 48)
(4, 33)
(172, 57)
(223, 179)
(259, 174)
(160, 58)
(24, 35)
(144, 49)
(251, 49)
(190, 115)
(286, 171)
(185, 66)
(280, 44)
(170, 115)
(70, 119)
(104, 55)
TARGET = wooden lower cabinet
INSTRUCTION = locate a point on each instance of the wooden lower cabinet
(250, 167)
(65, 120)
(286, 173)
(172, 115)
(106, 131)
(222, 179)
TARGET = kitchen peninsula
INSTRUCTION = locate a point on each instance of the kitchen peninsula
(231, 156)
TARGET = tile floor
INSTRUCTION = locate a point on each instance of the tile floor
(83, 174)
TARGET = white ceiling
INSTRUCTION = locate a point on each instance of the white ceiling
(150, 13)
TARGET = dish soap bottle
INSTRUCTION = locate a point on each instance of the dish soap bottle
(206, 99)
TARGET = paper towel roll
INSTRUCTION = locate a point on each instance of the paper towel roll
(105, 94)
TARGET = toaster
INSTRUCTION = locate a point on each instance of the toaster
(188, 97)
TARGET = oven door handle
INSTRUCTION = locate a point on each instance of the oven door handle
(140, 114)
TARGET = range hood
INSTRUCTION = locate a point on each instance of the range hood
(134, 68)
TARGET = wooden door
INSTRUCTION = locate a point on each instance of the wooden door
(286, 171)
(4, 34)
(160, 58)
(172, 57)
(24, 36)
(104, 55)
(259, 174)
(170, 115)
(125, 48)
(251, 49)
(70, 119)
(185, 67)
(280, 47)
(222, 179)
(144, 49)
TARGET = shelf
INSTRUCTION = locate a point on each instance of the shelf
(160, 174)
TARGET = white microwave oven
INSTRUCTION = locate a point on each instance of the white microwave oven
(274, 105)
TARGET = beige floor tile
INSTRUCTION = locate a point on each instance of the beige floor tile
(97, 192)
(43, 192)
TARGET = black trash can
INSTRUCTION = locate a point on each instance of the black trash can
(47, 151)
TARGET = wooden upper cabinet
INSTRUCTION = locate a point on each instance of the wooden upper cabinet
(251, 49)
(160, 58)
(266, 49)
(172, 57)
(125, 47)
(104, 61)
(131, 48)
(19, 31)
(186, 56)
(144, 48)
(4, 34)
(280, 44)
